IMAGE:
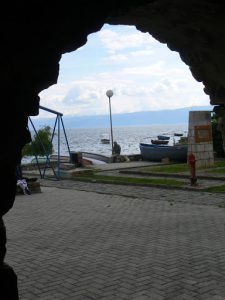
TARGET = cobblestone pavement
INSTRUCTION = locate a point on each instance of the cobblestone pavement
(94, 241)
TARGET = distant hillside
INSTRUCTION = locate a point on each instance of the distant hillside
(173, 116)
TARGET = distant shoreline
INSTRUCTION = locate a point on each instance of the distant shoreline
(144, 118)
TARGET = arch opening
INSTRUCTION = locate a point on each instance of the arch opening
(144, 74)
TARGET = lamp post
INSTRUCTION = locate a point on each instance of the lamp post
(109, 94)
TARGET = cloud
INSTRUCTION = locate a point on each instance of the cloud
(147, 69)
(146, 52)
(114, 41)
(117, 58)
(144, 75)
(88, 97)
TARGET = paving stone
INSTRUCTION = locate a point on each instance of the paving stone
(77, 241)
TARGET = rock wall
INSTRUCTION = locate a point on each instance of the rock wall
(35, 34)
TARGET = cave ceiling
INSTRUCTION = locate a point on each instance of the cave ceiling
(35, 34)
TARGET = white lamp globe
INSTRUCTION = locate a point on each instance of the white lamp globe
(109, 93)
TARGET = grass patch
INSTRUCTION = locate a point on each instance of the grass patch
(218, 167)
(173, 168)
(219, 164)
(216, 170)
(216, 189)
(132, 180)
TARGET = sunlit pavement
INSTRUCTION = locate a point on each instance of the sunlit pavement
(95, 241)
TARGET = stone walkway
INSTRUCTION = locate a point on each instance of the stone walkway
(82, 241)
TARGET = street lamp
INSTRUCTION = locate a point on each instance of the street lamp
(109, 94)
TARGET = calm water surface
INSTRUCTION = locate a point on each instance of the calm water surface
(89, 139)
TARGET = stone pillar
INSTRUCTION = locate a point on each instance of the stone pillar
(200, 141)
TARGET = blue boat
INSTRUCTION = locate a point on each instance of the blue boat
(174, 153)
(163, 137)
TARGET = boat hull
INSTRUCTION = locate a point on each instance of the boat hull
(156, 153)
(96, 156)
(159, 142)
(105, 141)
(163, 137)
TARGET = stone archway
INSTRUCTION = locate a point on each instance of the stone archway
(34, 35)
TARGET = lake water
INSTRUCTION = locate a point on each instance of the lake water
(89, 139)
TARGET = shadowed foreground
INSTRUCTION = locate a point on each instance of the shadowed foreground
(71, 244)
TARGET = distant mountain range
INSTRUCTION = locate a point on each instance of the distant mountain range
(160, 117)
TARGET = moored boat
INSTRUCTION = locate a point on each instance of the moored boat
(152, 152)
(159, 142)
(105, 139)
(163, 137)
(96, 156)
(178, 134)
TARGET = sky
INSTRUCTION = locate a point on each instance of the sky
(143, 74)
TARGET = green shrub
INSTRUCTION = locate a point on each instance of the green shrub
(41, 144)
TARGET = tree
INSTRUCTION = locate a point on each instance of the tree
(217, 137)
(41, 143)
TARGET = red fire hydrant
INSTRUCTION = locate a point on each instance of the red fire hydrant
(192, 168)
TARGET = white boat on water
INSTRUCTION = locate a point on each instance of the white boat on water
(105, 139)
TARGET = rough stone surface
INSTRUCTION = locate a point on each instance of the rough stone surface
(201, 149)
(34, 39)
(35, 34)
